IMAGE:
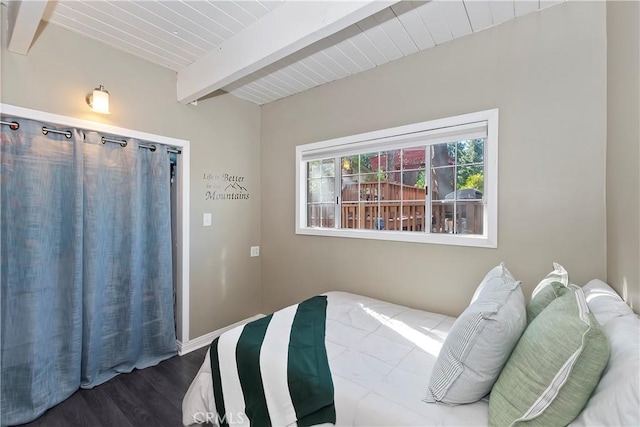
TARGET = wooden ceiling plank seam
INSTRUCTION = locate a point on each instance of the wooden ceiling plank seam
(268, 87)
(368, 48)
(89, 15)
(354, 52)
(389, 23)
(106, 38)
(243, 94)
(304, 63)
(342, 62)
(548, 3)
(256, 92)
(78, 16)
(523, 7)
(502, 11)
(379, 38)
(199, 19)
(413, 25)
(147, 26)
(328, 64)
(346, 50)
(254, 8)
(479, 13)
(176, 22)
(271, 5)
(238, 14)
(295, 67)
(153, 20)
(435, 22)
(285, 74)
(222, 17)
(274, 79)
(207, 10)
(262, 77)
(456, 16)
(343, 40)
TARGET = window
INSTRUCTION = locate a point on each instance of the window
(431, 182)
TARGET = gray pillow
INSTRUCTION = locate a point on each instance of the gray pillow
(480, 341)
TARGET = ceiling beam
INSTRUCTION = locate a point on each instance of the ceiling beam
(287, 29)
(24, 18)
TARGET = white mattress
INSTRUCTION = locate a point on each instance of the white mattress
(381, 356)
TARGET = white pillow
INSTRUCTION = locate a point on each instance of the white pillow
(480, 341)
(604, 302)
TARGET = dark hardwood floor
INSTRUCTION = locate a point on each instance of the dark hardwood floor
(147, 397)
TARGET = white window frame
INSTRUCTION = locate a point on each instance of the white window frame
(429, 131)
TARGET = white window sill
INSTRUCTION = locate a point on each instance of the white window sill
(480, 241)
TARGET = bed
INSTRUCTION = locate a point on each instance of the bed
(381, 356)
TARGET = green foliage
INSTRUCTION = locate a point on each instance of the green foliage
(473, 181)
(421, 182)
(381, 175)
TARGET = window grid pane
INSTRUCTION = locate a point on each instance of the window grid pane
(391, 190)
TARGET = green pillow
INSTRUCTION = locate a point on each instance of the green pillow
(554, 368)
(543, 298)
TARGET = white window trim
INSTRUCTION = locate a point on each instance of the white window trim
(487, 240)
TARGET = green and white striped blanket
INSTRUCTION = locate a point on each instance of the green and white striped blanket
(274, 371)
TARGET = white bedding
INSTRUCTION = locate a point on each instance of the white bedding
(381, 356)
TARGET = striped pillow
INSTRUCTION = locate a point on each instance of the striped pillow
(554, 368)
(480, 341)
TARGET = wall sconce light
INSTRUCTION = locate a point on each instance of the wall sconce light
(99, 101)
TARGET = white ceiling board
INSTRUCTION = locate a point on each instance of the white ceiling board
(235, 13)
(413, 24)
(177, 34)
(479, 13)
(389, 23)
(456, 16)
(285, 30)
(115, 17)
(523, 7)
(380, 39)
(112, 40)
(435, 22)
(128, 34)
(502, 11)
(256, 9)
(163, 17)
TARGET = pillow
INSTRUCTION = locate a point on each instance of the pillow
(551, 287)
(480, 341)
(604, 302)
(615, 400)
(554, 368)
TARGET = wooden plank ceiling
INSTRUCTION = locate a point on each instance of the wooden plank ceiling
(175, 34)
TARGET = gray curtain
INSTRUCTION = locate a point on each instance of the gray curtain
(86, 270)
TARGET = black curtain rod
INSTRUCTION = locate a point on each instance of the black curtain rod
(15, 126)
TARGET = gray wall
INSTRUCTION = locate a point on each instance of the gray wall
(623, 153)
(62, 68)
(546, 72)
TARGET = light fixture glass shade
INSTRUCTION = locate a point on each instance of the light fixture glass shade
(100, 100)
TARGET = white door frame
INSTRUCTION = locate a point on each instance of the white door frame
(182, 287)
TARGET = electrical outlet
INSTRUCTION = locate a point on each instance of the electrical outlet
(255, 251)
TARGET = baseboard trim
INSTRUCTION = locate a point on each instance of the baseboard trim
(204, 340)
